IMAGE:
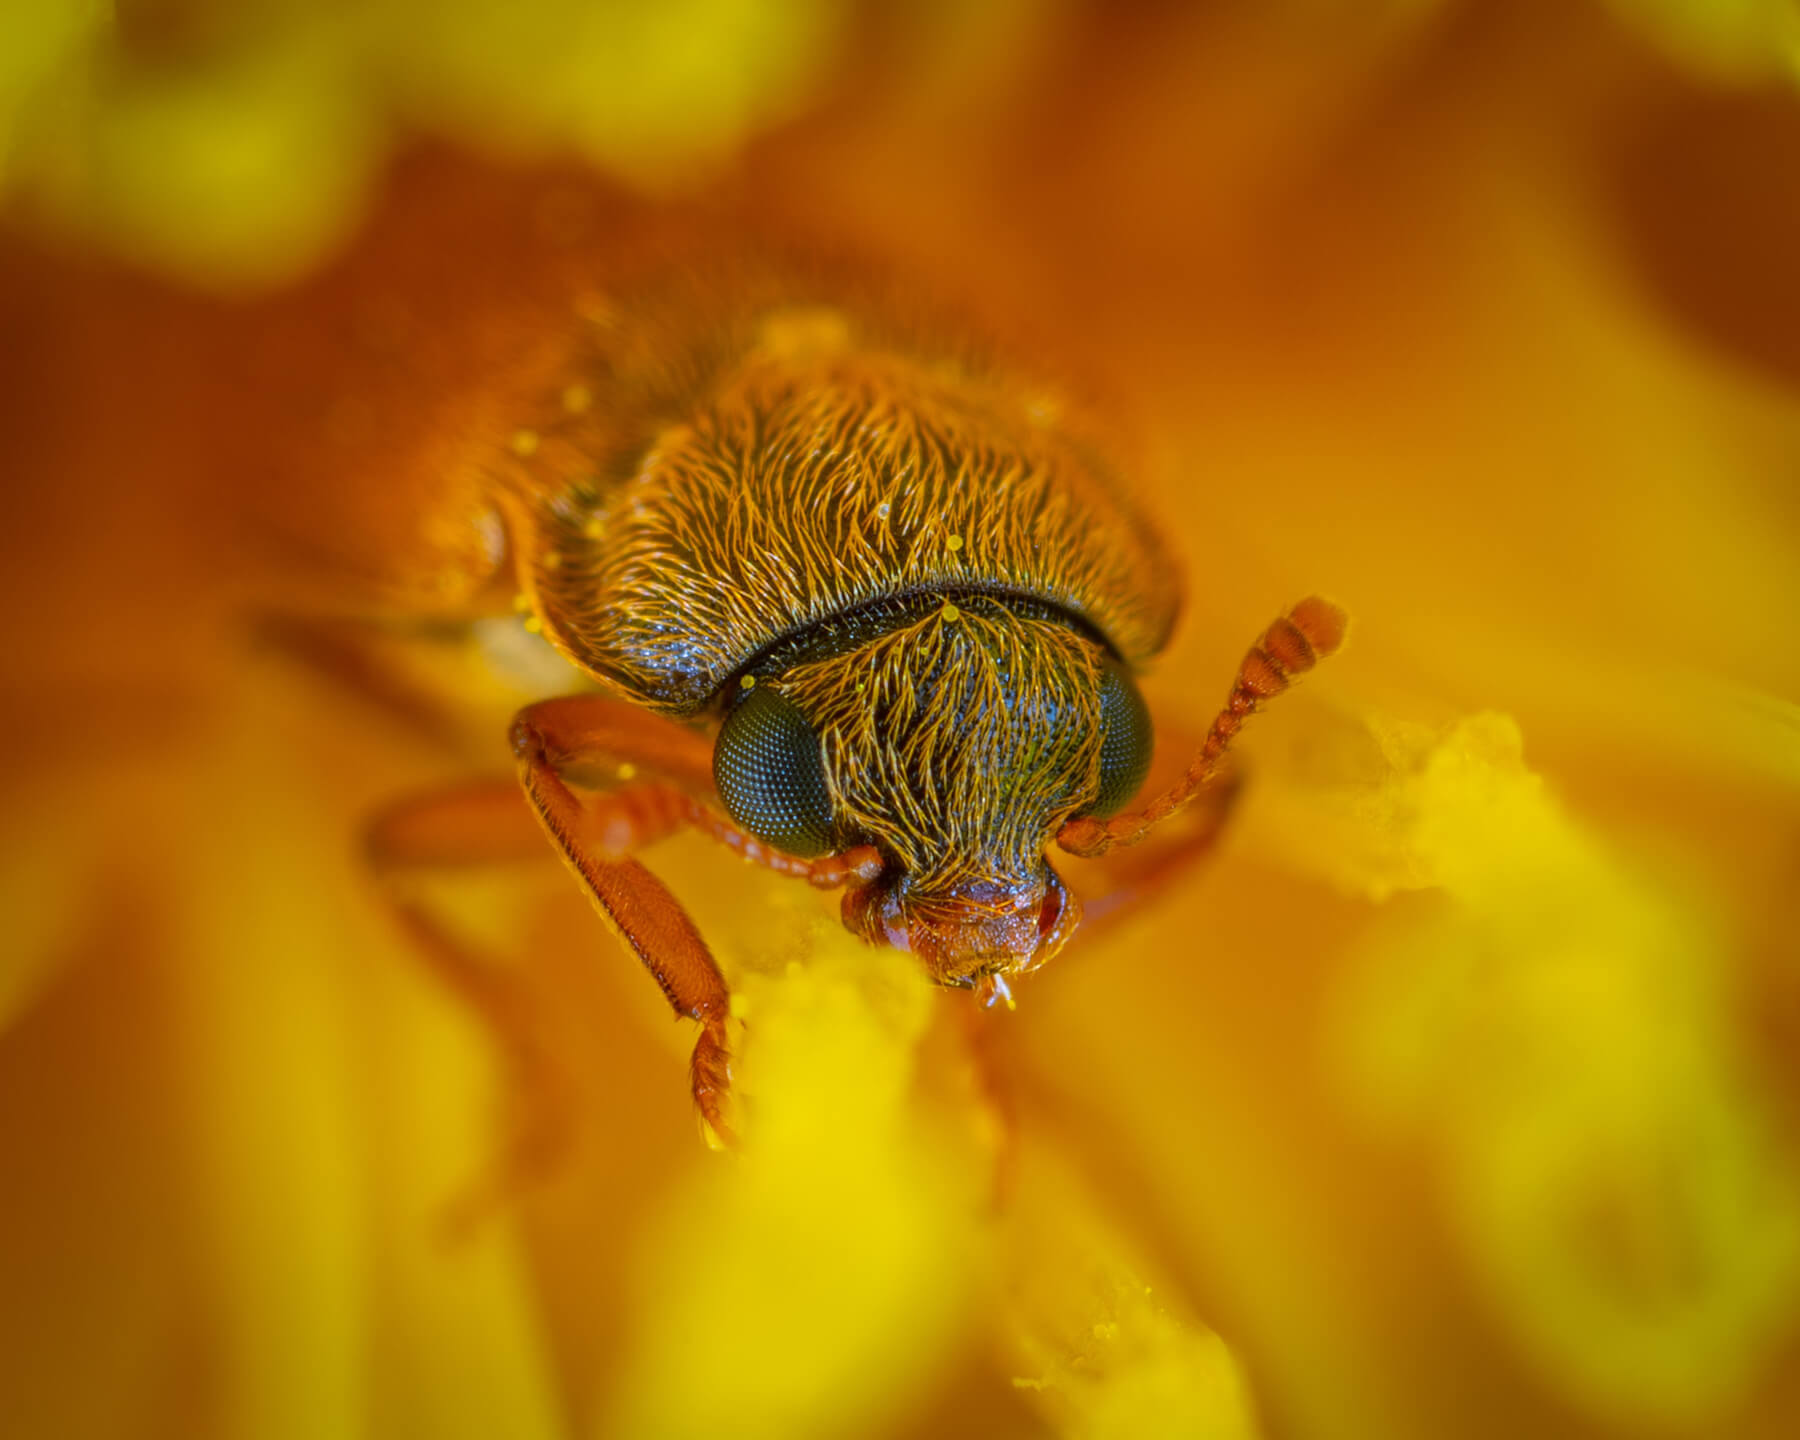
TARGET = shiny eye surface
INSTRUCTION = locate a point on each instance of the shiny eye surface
(1126, 740)
(770, 772)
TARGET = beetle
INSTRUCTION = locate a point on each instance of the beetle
(862, 603)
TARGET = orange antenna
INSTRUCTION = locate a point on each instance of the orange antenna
(860, 863)
(1290, 647)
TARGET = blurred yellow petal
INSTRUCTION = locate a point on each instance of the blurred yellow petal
(1729, 39)
(295, 1042)
(1453, 1092)
(235, 150)
(651, 92)
(233, 176)
(1103, 1353)
(40, 40)
(1563, 1032)
(814, 1284)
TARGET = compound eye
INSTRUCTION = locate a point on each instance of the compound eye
(1126, 740)
(770, 772)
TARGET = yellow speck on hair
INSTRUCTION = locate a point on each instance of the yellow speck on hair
(533, 625)
(551, 561)
(577, 398)
(595, 527)
(949, 612)
(522, 603)
(953, 542)
(748, 682)
(626, 771)
(523, 443)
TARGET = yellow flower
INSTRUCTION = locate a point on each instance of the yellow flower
(1453, 1096)
(248, 160)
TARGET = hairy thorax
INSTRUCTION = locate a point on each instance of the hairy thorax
(705, 493)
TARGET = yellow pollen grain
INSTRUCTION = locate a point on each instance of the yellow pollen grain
(523, 443)
(533, 625)
(595, 527)
(551, 561)
(949, 612)
(522, 603)
(577, 398)
(953, 542)
(626, 771)
(748, 682)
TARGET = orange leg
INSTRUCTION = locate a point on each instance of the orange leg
(578, 735)
(485, 823)
(589, 736)
(661, 770)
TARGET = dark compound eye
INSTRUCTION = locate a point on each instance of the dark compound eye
(1127, 739)
(770, 772)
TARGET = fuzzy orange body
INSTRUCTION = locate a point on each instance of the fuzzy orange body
(873, 591)
(732, 460)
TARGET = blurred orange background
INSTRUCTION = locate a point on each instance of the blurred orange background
(1457, 1097)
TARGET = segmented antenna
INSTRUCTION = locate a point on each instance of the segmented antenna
(1290, 647)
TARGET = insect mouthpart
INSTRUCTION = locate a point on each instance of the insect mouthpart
(969, 935)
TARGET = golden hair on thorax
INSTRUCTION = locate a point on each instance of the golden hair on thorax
(959, 742)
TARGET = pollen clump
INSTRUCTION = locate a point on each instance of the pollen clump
(1098, 1354)
(1559, 1029)
(824, 1240)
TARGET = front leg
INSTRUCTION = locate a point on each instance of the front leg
(585, 734)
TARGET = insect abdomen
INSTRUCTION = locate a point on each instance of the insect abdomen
(818, 463)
